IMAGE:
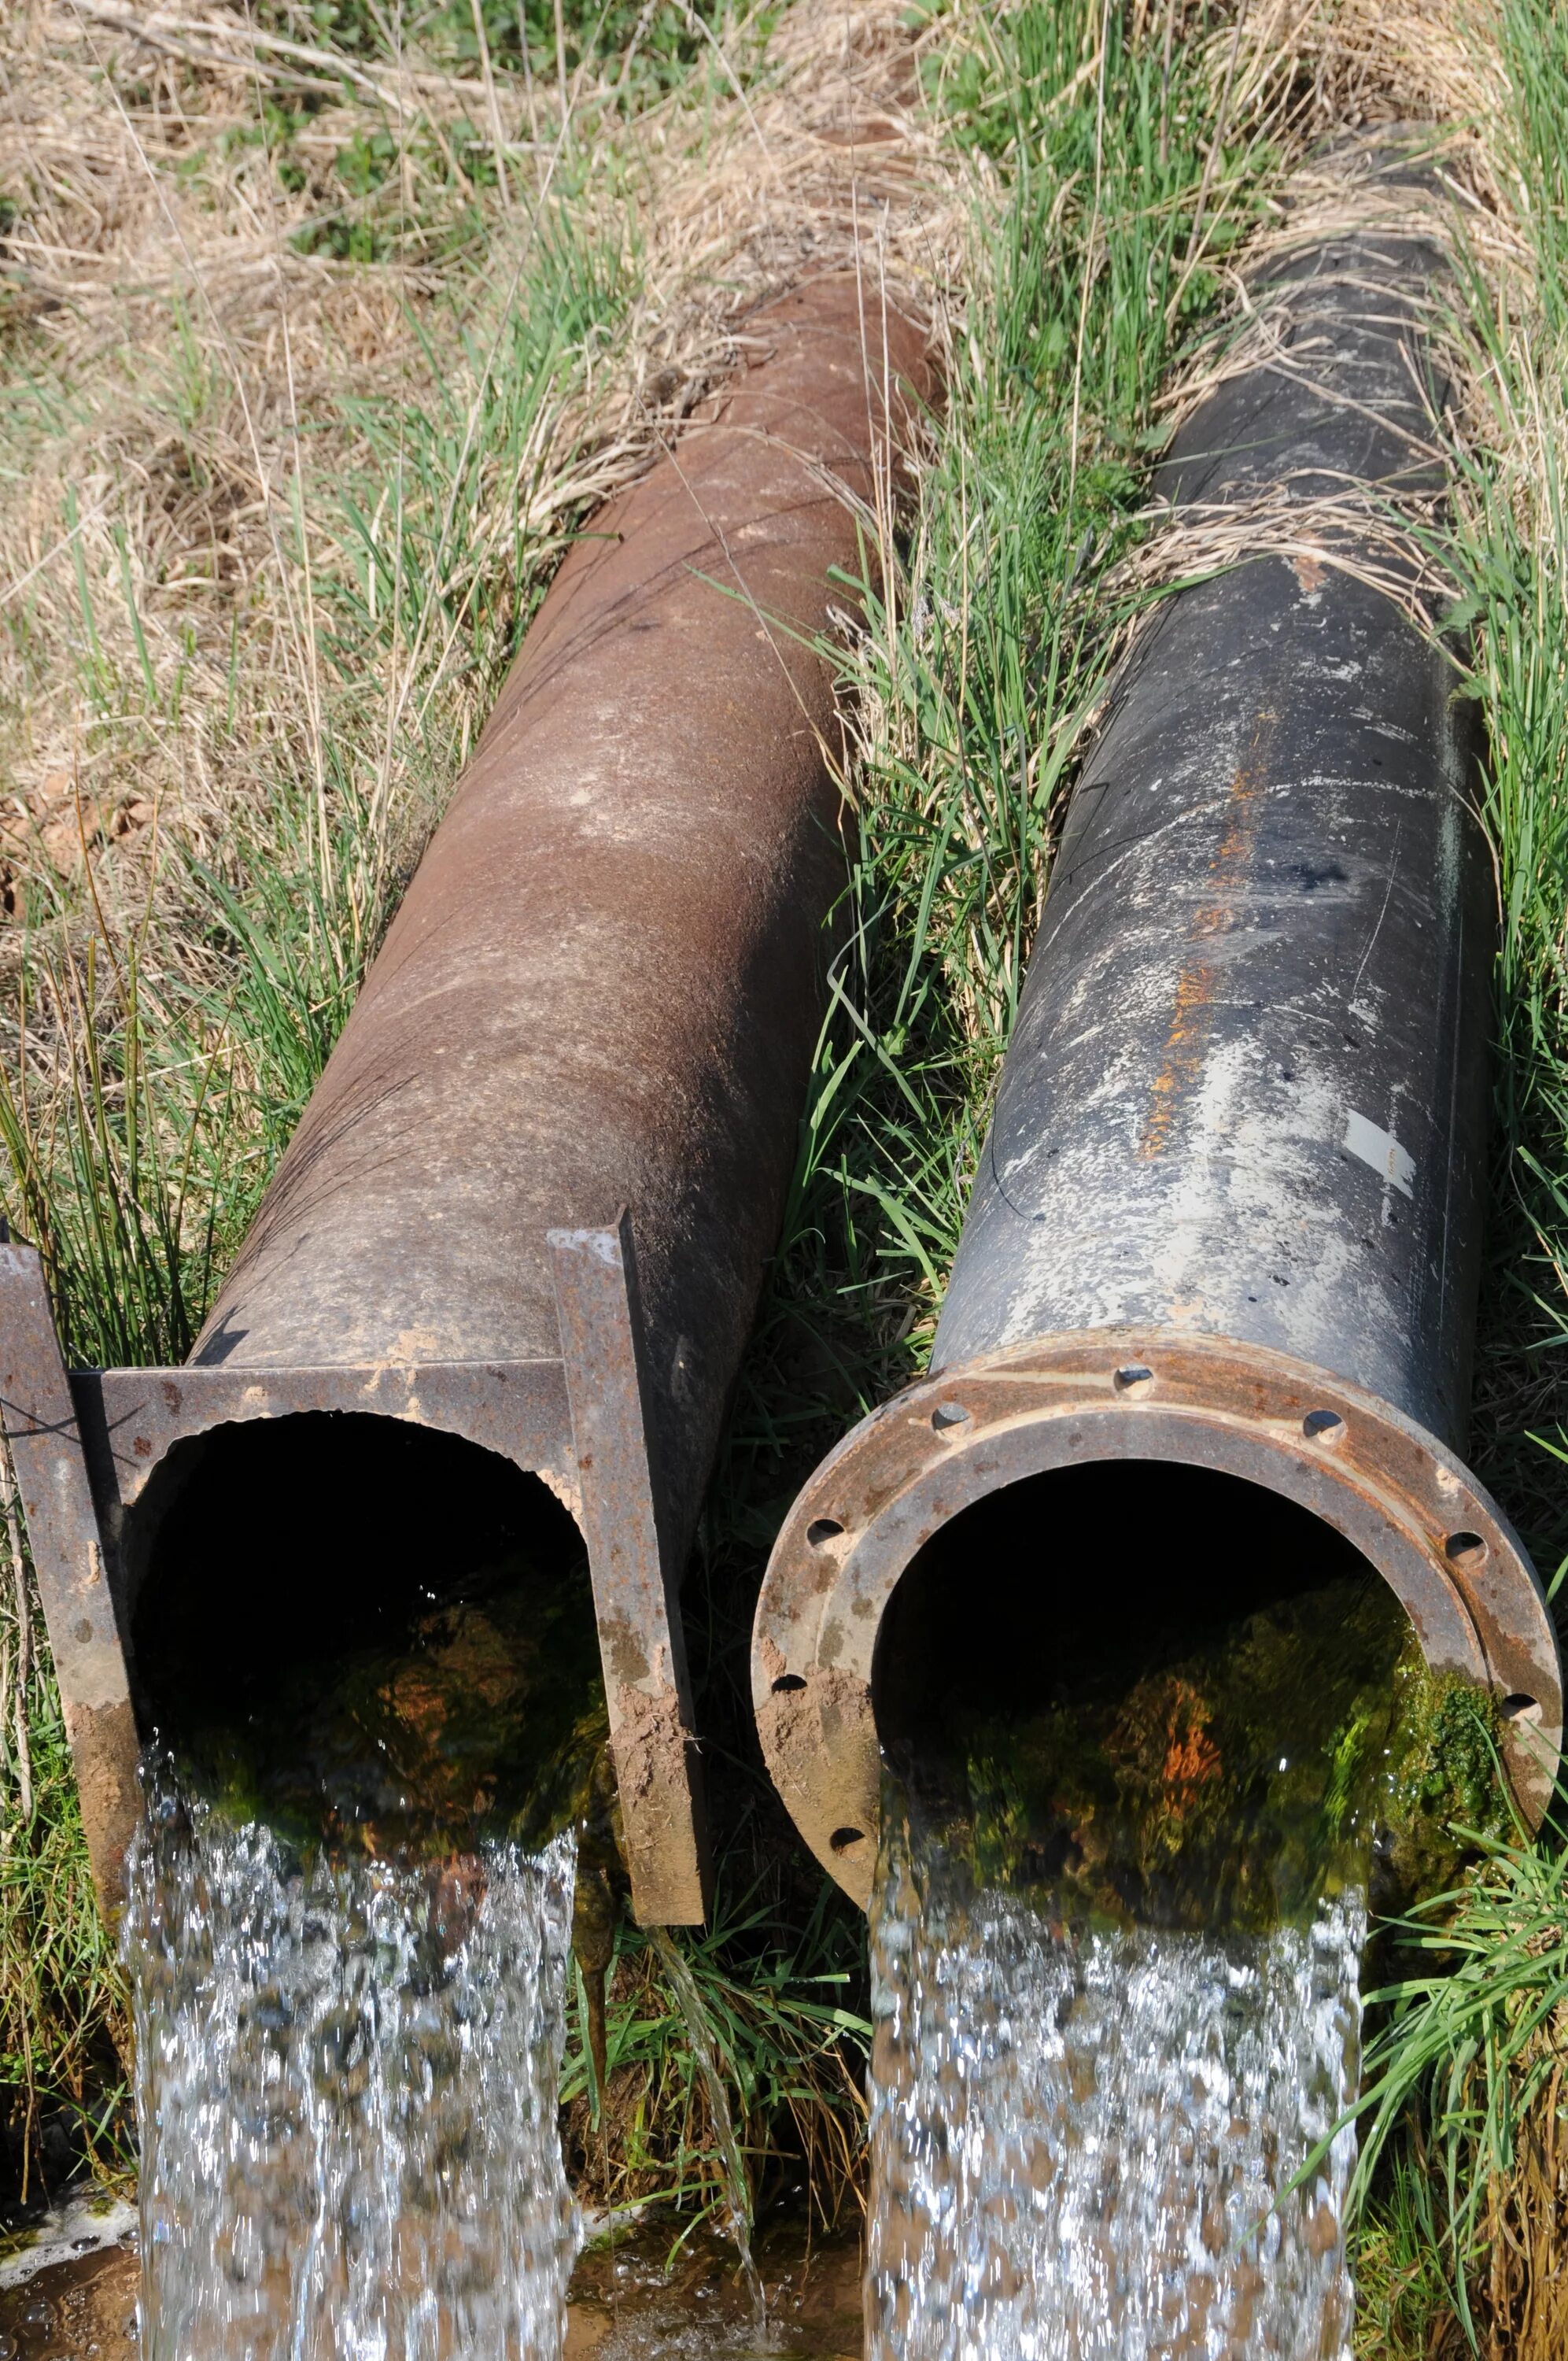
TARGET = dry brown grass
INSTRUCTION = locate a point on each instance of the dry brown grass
(189, 388)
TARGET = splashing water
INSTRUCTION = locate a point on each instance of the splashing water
(346, 2079)
(1078, 2138)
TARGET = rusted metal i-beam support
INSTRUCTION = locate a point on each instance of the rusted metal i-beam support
(593, 1018)
(1229, 1213)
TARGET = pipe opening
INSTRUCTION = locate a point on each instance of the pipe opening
(1072, 1577)
(1163, 1691)
(366, 1629)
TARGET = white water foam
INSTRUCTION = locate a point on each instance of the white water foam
(1077, 2142)
(347, 2088)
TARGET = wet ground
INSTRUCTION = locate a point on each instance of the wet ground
(629, 2302)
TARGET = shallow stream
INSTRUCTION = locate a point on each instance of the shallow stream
(629, 2302)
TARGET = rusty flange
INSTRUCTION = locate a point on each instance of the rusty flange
(1407, 1503)
(43, 1433)
(85, 1447)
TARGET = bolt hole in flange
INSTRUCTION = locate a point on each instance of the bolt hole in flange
(845, 1840)
(786, 1682)
(948, 1417)
(1135, 1378)
(823, 1530)
(1466, 1549)
(1521, 1709)
(1323, 1426)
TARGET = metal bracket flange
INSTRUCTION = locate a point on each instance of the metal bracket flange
(642, 1641)
(39, 1410)
(85, 1446)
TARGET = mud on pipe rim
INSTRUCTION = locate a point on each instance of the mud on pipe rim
(1229, 1214)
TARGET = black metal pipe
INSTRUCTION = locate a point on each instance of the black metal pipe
(592, 1020)
(1229, 1210)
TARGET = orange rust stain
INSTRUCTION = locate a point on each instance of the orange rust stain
(1191, 1017)
(1191, 1757)
(1309, 572)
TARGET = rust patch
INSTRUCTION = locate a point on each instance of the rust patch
(1186, 1040)
(653, 1756)
(107, 1756)
(1309, 572)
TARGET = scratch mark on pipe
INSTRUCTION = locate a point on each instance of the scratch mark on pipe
(1392, 1162)
(1388, 896)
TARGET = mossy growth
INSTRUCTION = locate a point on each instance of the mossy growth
(476, 1717)
(1301, 1750)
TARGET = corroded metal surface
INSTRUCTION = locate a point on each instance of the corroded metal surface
(636, 1580)
(602, 991)
(604, 985)
(131, 1418)
(1238, 1146)
(68, 1556)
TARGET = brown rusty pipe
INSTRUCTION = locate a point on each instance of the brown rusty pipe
(602, 991)
(604, 985)
(1214, 1300)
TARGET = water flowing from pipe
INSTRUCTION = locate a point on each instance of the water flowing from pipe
(347, 2088)
(1082, 2141)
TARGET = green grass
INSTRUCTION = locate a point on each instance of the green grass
(786, 2048)
(1465, 2226)
(1463, 2104)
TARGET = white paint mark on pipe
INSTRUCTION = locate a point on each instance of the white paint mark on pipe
(1379, 1148)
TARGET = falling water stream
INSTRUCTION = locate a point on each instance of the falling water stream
(1116, 1949)
(347, 2091)
(1079, 2141)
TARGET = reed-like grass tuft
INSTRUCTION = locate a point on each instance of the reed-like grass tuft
(1464, 2099)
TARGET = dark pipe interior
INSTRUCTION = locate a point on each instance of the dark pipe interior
(307, 1586)
(1153, 1690)
(1096, 1572)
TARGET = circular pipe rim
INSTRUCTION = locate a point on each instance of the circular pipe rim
(1406, 1501)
